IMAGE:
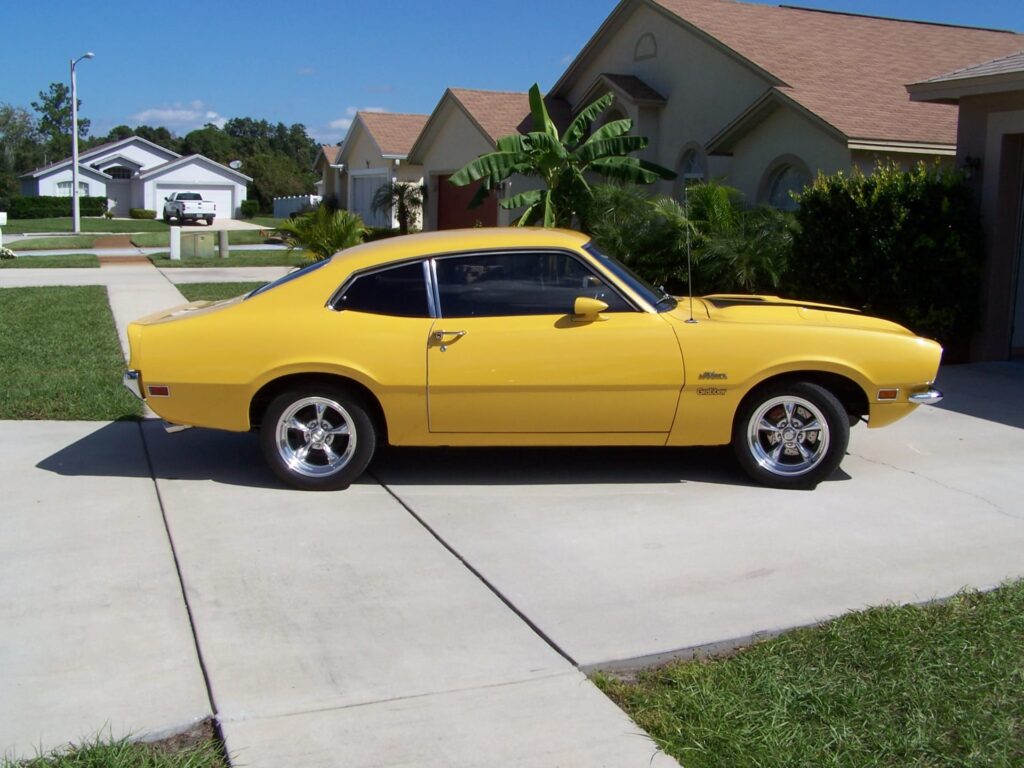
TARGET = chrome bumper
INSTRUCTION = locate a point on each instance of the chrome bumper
(131, 382)
(930, 397)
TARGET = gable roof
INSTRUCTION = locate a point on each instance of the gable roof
(98, 150)
(394, 133)
(849, 70)
(997, 76)
(330, 152)
(159, 170)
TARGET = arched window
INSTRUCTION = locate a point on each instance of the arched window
(692, 168)
(785, 178)
(646, 47)
(119, 172)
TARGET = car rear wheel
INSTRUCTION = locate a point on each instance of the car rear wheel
(318, 437)
(209, 221)
(791, 435)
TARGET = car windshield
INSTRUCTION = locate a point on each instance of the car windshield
(289, 277)
(658, 298)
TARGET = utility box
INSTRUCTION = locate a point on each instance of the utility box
(201, 245)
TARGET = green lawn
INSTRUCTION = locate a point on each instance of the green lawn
(21, 226)
(215, 291)
(61, 356)
(105, 753)
(936, 686)
(280, 258)
(163, 239)
(52, 243)
(266, 221)
(36, 262)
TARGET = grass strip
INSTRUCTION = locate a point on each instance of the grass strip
(198, 750)
(117, 226)
(51, 262)
(215, 291)
(61, 356)
(238, 258)
(56, 243)
(939, 686)
(269, 222)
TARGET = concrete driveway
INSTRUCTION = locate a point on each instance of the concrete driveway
(440, 612)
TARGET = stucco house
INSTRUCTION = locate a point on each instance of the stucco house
(990, 148)
(467, 123)
(376, 152)
(764, 96)
(136, 173)
(329, 187)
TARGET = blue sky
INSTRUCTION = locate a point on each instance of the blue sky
(157, 64)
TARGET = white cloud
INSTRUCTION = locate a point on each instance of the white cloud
(306, 71)
(344, 123)
(180, 117)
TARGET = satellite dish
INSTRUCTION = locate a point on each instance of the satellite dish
(235, 164)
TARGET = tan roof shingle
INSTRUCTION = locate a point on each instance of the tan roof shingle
(394, 133)
(851, 70)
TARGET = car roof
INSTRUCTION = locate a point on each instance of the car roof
(394, 249)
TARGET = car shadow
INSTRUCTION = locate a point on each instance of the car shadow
(990, 391)
(234, 458)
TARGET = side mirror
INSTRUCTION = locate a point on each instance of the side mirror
(167, 198)
(586, 309)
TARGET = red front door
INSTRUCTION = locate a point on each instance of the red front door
(453, 211)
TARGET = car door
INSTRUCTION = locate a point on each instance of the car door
(507, 355)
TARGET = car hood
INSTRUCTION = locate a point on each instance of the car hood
(780, 311)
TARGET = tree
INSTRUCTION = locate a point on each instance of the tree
(210, 141)
(54, 108)
(323, 232)
(402, 197)
(19, 147)
(275, 175)
(561, 163)
(159, 136)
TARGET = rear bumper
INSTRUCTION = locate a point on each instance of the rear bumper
(132, 382)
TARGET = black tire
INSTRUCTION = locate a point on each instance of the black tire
(314, 457)
(166, 218)
(209, 221)
(790, 434)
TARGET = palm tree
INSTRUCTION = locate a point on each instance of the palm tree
(561, 163)
(402, 197)
(322, 232)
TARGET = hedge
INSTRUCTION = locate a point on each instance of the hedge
(249, 208)
(904, 245)
(141, 213)
(48, 207)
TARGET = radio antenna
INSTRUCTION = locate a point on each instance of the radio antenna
(689, 255)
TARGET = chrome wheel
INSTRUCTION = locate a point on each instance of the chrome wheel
(316, 436)
(788, 436)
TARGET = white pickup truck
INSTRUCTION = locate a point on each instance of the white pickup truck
(189, 205)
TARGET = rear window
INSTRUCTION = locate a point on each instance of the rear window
(398, 291)
(289, 277)
(189, 196)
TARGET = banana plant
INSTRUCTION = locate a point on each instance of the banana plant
(561, 163)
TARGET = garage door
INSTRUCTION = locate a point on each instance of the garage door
(220, 194)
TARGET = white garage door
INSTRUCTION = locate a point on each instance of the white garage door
(220, 194)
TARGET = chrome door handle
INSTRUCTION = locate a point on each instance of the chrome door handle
(439, 335)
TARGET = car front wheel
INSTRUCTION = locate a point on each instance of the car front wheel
(318, 438)
(791, 435)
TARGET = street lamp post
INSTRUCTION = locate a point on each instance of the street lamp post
(76, 215)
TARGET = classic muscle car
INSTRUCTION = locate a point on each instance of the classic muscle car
(521, 337)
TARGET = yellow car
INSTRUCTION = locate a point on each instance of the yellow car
(521, 337)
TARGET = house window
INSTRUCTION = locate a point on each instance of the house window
(785, 178)
(119, 172)
(646, 47)
(691, 169)
(64, 189)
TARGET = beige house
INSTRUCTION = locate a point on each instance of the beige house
(376, 152)
(330, 185)
(990, 148)
(764, 97)
(464, 125)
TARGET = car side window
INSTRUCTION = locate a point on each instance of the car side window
(525, 283)
(398, 291)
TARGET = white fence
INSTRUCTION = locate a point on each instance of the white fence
(286, 206)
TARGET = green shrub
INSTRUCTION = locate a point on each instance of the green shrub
(48, 206)
(249, 208)
(902, 245)
(141, 213)
(381, 233)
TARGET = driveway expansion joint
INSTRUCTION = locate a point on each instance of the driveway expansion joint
(181, 581)
(483, 579)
